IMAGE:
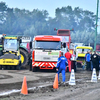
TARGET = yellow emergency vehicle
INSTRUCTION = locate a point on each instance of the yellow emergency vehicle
(80, 54)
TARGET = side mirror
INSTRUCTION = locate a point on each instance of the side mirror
(2, 39)
(30, 45)
(64, 45)
(20, 40)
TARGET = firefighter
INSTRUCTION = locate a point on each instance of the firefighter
(61, 66)
(68, 55)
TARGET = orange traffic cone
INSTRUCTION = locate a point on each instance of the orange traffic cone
(55, 84)
(24, 87)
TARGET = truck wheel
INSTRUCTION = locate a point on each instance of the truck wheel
(34, 69)
(0, 67)
(30, 68)
(24, 58)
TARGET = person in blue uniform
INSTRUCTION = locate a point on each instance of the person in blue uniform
(62, 63)
(88, 63)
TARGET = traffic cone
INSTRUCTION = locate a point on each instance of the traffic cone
(99, 75)
(94, 76)
(55, 84)
(72, 78)
(24, 87)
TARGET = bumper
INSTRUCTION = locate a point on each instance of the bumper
(9, 61)
(44, 65)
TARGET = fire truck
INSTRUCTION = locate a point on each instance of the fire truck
(46, 51)
(65, 33)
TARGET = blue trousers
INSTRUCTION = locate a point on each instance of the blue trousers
(63, 74)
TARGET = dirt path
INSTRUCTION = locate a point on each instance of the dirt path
(83, 90)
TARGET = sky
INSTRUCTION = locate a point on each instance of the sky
(51, 5)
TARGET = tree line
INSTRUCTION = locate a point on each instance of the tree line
(15, 21)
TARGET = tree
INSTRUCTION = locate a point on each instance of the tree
(15, 21)
(83, 37)
(78, 19)
(8, 27)
(3, 12)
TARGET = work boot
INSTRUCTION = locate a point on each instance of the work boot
(63, 83)
(59, 83)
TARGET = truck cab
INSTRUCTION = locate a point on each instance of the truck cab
(46, 51)
(80, 54)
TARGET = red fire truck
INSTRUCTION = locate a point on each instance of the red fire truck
(46, 51)
(65, 33)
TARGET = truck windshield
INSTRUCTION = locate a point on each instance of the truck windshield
(82, 50)
(55, 45)
(24, 44)
(65, 38)
(10, 44)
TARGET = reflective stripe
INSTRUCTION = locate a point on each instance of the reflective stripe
(67, 62)
(59, 62)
